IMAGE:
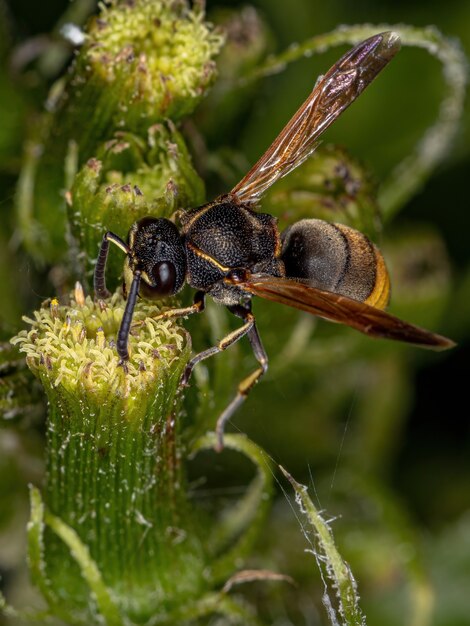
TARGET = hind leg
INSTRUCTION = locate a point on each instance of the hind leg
(248, 328)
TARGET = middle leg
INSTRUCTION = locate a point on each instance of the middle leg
(240, 311)
(198, 306)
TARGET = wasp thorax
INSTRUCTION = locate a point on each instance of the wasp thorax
(158, 253)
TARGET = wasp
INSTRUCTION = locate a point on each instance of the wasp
(229, 250)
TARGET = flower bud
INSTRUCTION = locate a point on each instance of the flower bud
(142, 62)
(130, 179)
(330, 185)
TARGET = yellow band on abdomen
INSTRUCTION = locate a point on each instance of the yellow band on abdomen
(380, 295)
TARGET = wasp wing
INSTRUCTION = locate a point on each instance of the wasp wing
(337, 308)
(332, 94)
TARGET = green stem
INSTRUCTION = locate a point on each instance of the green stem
(123, 492)
(239, 526)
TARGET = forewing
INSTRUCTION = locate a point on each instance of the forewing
(337, 308)
(332, 94)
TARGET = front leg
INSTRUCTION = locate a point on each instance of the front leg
(198, 305)
(123, 333)
(99, 278)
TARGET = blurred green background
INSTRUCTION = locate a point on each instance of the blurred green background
(380, 433)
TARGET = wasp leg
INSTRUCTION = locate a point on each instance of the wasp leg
(99, 279)
(249, 329)
(224, 343)
(198, 305)
(123, 334)
(245, 386)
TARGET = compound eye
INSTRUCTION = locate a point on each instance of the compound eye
(164, 276)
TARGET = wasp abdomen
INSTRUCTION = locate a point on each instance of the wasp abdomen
(337, 258)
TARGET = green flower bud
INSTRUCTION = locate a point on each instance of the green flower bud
(74, 346)
(114, 471)
(142, 62)
(330, 185)
(130, 179)
(247, 41)
(156, 56)
(420, 272)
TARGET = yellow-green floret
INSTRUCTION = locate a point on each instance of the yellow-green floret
(74, 345)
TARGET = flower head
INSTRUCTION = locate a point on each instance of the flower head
(73, 346)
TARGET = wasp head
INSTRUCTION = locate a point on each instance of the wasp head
(157, 251)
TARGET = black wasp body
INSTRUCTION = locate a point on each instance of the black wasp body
(224, 236)
(230, 251)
